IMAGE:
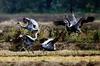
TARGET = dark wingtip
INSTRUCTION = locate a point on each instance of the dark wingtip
(61, 22)
(90, 19)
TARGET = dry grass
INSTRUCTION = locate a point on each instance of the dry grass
(51, 58)
(61, 56)
(6, 53)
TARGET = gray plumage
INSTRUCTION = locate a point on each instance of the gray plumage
(73, 24)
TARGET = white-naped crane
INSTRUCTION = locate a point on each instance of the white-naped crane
(73, 24)
(27, 42)
(31, 24)
(49, 44)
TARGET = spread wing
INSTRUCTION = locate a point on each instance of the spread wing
(90, 19)
(86, 20)
(61, 22)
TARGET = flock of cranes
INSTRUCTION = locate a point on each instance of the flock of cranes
(71, 23)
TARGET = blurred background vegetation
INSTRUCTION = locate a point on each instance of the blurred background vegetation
(49, 6)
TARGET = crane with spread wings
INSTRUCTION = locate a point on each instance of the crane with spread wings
(73, 24)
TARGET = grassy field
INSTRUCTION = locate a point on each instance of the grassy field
(89, 41)
(51, 59)
(65, 53)
(55, 58)
(71, 50)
